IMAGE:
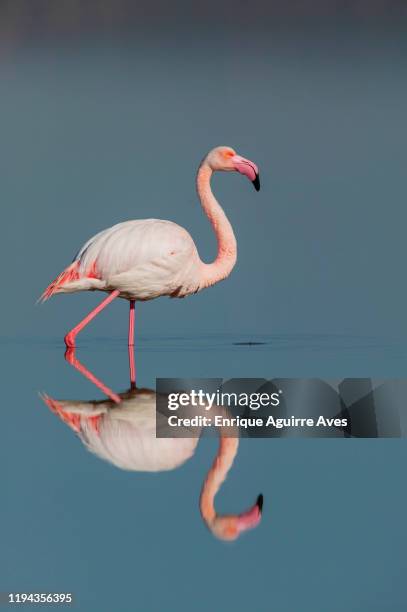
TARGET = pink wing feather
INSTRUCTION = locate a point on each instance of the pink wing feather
(69, 274)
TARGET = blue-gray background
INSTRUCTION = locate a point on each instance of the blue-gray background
(104, 117)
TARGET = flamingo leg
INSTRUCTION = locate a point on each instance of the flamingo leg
(73, 361)
(132, 366)
(131, 323)
(70, 336)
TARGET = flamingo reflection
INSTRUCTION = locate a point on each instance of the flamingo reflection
(122, 431)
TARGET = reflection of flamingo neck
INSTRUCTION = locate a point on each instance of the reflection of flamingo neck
(216, 476)
(227, 249)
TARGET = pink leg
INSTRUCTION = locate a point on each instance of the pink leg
(71, 358)
(70, 336)
(131, 345)
(132, 368)
(131, 323)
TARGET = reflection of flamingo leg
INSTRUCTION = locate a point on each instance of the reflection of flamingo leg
(70, 336)
(71, 358)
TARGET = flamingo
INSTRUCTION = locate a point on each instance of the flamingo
(149, 258)
(122, 431)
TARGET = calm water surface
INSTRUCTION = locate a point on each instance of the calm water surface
(333, 533)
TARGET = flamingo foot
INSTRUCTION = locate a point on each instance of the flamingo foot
(70, 336)
(70, 340)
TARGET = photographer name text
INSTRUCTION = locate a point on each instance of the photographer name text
(245, 423)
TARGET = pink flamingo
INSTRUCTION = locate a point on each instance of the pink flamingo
(149, 258)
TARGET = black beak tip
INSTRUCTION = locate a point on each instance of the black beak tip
(259, 502)
(256, 183)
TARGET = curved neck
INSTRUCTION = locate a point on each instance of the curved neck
(216, 476)
(227, 248)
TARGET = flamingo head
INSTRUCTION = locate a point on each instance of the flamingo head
(229, 527)
(227, 160)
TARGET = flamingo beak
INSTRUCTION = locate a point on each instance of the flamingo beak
(251, 518)
(248, 168)
(256, 182)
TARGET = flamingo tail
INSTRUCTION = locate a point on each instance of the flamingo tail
(71, 280)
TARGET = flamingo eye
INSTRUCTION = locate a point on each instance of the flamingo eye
(229, 154)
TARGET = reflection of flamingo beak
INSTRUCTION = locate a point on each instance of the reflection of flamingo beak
(251, 518)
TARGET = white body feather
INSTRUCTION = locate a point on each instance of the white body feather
(143, 259)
